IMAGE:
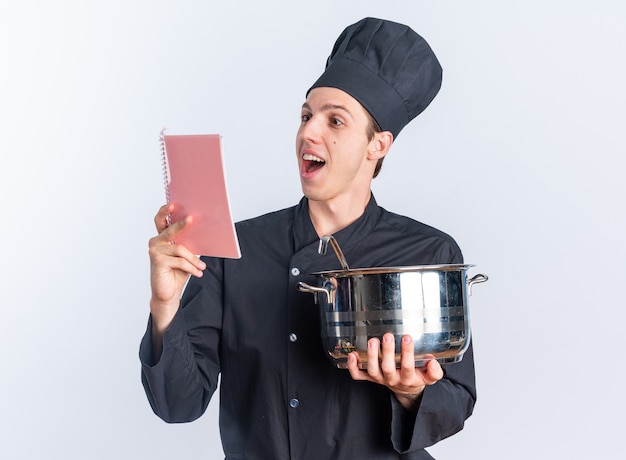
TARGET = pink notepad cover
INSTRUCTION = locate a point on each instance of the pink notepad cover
(195, 181)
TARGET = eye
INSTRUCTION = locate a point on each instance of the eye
(336, 121)
(305, 117)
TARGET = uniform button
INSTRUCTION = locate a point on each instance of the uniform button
(295, 271)
(294, 403)
(293, 337)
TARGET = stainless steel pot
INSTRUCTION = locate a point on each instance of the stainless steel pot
(428, 302)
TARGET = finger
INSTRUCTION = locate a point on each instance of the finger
(192, 265)
(165, 264)
(388, 361)
(407, 358)
(373, 365)
(182, 252)
(177, 267)
(161, 220)
(169, 233)
(433, 373)
(176, 256)
(353, 367)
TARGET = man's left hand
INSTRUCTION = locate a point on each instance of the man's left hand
(407, 382)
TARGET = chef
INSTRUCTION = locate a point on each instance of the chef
(245, 321)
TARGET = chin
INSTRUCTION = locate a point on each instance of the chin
(311, 195)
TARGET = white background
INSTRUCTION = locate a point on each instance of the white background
(520, 158)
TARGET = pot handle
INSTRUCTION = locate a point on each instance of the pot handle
(480, 278)
(304, 287)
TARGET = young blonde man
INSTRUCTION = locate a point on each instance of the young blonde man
(246, 321)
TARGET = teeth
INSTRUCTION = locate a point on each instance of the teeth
(308, 156)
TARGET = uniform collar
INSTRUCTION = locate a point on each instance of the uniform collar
(305, 235)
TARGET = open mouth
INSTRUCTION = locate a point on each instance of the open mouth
(312, 163)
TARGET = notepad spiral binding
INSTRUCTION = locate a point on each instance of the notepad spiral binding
(166, 171)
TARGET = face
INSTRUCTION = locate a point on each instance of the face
(335, 157)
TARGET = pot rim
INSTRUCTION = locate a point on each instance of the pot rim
(391, 270)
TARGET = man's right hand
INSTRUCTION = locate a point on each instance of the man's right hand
(170, 267)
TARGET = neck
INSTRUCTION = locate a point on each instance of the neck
(329, 217)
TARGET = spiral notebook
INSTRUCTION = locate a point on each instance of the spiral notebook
(195, 181)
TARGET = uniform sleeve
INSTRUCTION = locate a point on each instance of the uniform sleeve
(181, 383)
(443, 409)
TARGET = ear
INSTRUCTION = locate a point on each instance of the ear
(379, 145)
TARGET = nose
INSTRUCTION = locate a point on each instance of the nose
(310, 130)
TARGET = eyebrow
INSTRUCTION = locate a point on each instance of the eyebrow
(329, 106)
